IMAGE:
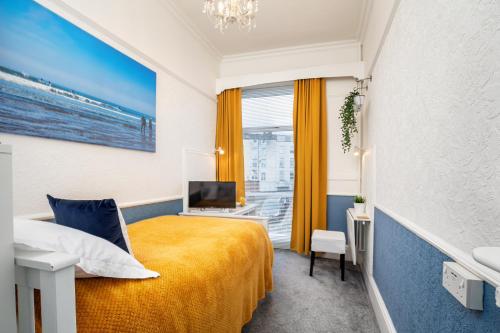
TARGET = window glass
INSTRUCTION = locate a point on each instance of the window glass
(268, 144)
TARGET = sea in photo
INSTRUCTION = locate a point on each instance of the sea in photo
(57, 81)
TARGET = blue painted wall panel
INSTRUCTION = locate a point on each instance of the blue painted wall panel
(138, 213)
(336, 208)
(408, 273)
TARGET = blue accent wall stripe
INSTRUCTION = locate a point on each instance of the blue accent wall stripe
(408, 273)
(336, 208)
(138, 213)
(336, 211)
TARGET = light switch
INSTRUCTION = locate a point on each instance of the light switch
(463, 285)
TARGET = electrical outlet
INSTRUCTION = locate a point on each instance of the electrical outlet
(463, 285)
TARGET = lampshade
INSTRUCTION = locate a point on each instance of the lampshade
(219, 151)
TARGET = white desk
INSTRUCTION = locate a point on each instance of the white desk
(240, 213)
(249, 209)
(357, 232)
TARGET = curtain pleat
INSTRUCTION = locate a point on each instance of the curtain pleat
(229, 136)
(310, 139)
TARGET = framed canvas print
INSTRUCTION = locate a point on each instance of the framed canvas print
(58, 81)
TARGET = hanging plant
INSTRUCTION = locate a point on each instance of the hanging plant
(348, 118)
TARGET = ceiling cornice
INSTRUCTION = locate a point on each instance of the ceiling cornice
(363, 23)
(172, 7)
(183, 19)
(290, 50)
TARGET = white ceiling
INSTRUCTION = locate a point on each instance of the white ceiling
(280, 23)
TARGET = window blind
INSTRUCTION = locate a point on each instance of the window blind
(268, 107)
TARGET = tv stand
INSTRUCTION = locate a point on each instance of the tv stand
(246, 212)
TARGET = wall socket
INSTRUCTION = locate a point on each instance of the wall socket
(463, 285)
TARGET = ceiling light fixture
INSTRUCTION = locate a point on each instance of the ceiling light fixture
(225, 12)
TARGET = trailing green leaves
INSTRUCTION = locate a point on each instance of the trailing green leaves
(348, 118)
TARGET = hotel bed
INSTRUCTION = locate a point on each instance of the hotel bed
(213, 272)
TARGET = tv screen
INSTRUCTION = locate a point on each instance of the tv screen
(204, 194)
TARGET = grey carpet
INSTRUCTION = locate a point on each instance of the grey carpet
(322, 303)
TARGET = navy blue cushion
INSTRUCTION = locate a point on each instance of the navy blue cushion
(97, 217)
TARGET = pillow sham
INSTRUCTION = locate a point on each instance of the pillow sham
(100, 218)
(97, 256)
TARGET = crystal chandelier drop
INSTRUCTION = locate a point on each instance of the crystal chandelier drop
(225, 12)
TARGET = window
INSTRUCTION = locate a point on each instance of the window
(268, 144)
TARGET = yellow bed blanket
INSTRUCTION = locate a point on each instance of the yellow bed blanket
(213, 274)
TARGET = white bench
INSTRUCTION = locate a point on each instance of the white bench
(330, 242)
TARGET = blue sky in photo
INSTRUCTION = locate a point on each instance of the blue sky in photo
(37, 42)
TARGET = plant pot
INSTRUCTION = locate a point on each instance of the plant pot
(358, 101)
(359, 208)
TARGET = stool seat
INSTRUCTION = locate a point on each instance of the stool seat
(328, 241)
(331, 242)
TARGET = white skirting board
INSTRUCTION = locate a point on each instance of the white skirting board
(384, 320)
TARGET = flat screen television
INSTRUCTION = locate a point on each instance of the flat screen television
(209, 194)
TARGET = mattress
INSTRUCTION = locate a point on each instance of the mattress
(213, 272)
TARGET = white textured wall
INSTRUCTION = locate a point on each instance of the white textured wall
(186, 113)
(149, 26)
(343, 168)
(434, 117)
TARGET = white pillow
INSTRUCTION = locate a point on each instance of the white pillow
(97, 256)
(81, 274)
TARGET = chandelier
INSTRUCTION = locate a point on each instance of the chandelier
(225, 12)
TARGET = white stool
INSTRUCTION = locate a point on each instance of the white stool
(331, 242)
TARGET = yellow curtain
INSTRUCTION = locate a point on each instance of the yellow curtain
(310, 138)
(229, 136)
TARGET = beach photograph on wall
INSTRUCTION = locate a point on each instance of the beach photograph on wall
(58, 81)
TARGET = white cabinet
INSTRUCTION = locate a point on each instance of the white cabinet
(7, 296)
